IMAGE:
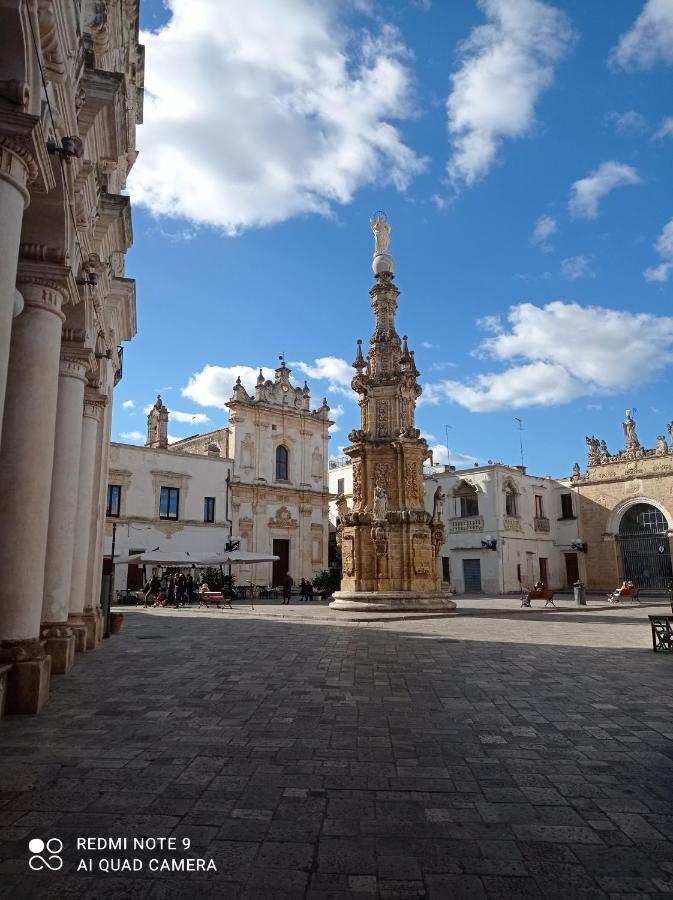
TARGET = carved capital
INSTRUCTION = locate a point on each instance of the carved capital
(72, 367)
(93, 409)
(17, 166)
(41, 293)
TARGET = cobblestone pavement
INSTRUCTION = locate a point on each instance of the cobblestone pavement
(492, 755)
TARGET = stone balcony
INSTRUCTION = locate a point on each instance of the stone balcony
(541, 523)
(512, 523)
(466, 523)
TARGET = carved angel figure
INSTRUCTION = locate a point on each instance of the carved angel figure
(594, 447)
(342, 506)
(662, 447)
(629, 427)
(381, 230)
(380, 503)
(438, 505)
(604, 453)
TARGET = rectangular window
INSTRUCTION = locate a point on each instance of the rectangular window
(208, 509)
(114, 498)
(469, 506)
(446, 569)
(169, 503)
(340, 485)
(539, 509)
(567, 506)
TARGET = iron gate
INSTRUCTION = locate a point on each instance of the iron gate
(645, 560)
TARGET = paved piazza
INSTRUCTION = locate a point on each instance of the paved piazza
(500, 754)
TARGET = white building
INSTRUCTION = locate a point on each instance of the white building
(263, 479)
(504, 528)
(71, 94)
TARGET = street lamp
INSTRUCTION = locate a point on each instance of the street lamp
(489, 543)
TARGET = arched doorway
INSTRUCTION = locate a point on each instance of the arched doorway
(644, 550)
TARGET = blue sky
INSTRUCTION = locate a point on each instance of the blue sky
(522, 151)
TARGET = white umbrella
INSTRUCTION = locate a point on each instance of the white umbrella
(162, 558)
(238, 557)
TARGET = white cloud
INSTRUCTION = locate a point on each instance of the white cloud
(586, 194)
(256, 112)
(133, 436)
(626, 123)
(196, 418)
(610, 350)
(335, 414)
(171, 439)
(440, 457)
(664, 130)
(213, 385)
(426, 345)
(506, 65)
(128, 404)
(574, 267)
(545, 227)
(441, 366)
(332, 369)
(664, 247)
(649, 41)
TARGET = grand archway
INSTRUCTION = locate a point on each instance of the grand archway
(643, 547)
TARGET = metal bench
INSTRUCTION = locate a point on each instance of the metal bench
(662, 633)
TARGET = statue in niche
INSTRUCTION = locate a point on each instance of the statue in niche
(438, 505)
(662, 447)
(380, 503)
(316, 463)
(381, 230)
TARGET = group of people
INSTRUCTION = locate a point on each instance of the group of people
(619, 592)
(305, 590)
(179, 590)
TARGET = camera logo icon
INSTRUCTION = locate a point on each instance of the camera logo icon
(52, 860)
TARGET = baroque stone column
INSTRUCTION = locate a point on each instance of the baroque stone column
(82, 618)
(16, 170)
(26, 459)
(95, 570)
(55, 630)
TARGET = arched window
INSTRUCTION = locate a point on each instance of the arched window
(466, 500)
(281, 463)
(511, 499)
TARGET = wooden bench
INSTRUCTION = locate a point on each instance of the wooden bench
(662, 633)
(547, 596)
(626, 593)
(213, 598)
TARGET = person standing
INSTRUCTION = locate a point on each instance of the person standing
(180, 584)
(170, 592)
(302, 590)
(288, 582)
(189, 589)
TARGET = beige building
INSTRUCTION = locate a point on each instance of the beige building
(262, 480)
(625, 512)
(71, 89)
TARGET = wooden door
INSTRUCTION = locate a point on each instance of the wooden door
(543, 572)
(572, 569)
(281, 549)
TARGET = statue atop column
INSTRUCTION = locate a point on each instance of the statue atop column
(382, 261)
(629, 426)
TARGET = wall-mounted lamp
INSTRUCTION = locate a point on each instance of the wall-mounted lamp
(489, 543)
(579, 545)
(70, 147)
(106, 355)
(91, 279)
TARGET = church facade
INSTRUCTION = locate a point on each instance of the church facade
(262, 480)
(625, 512)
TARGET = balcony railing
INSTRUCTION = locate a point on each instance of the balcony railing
(338, 461)
(512, 523)
(541, 523)
(466, 523)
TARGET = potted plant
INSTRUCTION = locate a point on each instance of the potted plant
(116, 622)
(325, 583)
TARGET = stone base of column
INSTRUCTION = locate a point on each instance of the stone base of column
(60, 645)
(391, 601)
(91, 621)
(80, 631)
(99, 624)
(28, 678)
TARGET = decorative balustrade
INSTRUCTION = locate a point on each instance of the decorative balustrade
(541, 523)
(512, 523)
(466, 523)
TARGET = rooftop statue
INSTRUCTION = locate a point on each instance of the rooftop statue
(381, 230)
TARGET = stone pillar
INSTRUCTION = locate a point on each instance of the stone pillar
(26, 459)
(55, 630)
(95, 570)
(15, 171)
(82, 617)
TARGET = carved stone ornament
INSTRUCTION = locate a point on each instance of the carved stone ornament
(379, 538)
(382, 417)
(422, 553)
(283, 519)
(411, 480)
(382, 475)
(357, 485)
(247, 452)
(347, 554)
